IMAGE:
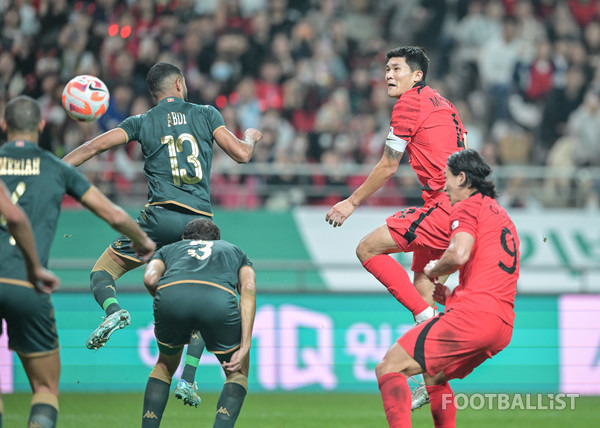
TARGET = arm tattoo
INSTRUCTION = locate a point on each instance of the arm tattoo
(392, 154)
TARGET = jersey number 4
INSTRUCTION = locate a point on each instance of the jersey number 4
(175, 148)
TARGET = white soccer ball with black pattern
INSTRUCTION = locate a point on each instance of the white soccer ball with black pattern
(85, 98)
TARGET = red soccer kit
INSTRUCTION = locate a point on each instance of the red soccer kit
(479, 313)
(429, 126)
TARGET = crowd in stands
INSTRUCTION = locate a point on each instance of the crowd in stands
(524, 75)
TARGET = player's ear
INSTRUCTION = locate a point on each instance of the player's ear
(41, 126)
(3, 125)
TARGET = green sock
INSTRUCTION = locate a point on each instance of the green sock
(43, 416)
(229, 405)
(104, 290)
(192, 357)
(155, 401)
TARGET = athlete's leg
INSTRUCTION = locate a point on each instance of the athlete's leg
(43, 372)
(392, 373)
(186, 388)
(232, 396)
(109, 267)
(156, 394)
(373, 252)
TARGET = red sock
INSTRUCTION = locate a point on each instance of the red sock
(442, 405)
(391, 274)
(395, 394)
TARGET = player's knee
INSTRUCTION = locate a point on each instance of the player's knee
(239, 378)
(363, 252)
(161, 372)
(107, 265)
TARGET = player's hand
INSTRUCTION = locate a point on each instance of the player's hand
(252, 135)
(145, 250)
(44, 281)
(340, 212)
(440, 293)
(236, 361)
(429, 267)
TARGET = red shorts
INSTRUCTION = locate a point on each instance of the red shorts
(456, 342)
(425, 231)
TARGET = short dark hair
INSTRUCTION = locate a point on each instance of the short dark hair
(202, 228)
(22, 114)
(414, 56)
(158, 74)
(476, 170)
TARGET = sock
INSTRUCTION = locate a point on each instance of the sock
(396, 397)
(104, 290)
(42, 415)
(192, 357)
(442, 405)
(229, 405)
(155, 401)
(391, 274)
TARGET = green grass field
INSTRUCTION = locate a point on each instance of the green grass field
(286, 410)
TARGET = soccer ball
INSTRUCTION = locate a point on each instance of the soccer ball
(85, 98)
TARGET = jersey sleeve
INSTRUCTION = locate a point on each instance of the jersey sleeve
(405, 116)
(463, 218)
(75, 182)
(132, 126)
(214, 119)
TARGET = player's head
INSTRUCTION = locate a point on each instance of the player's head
(165, 79)
(202, 229)
(467, 172)
(22, 116)
(414, 56)
(405, 67)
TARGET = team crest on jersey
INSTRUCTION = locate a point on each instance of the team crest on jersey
(454, 225)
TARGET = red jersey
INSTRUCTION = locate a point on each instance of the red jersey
(488, 280)
(430, 125)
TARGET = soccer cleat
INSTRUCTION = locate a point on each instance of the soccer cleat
(188, 393)
(111, 323)
(419, 397)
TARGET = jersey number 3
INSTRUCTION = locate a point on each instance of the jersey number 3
(175, 147)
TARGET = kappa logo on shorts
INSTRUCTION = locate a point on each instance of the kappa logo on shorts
(118, 243)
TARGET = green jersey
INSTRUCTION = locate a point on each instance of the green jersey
(177, 143)
(213, 263)
(37, 180)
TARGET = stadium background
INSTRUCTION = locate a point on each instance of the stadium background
(309, 74)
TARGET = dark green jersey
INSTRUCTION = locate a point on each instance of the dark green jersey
(177, 142)
(37, 180)
(211, 262)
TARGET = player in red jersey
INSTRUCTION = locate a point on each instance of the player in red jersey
(479, 316)
(427, 127)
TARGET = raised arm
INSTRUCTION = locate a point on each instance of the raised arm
(247, 288)
(20, 229)
(383, 171)
(101, 143)
(240, 151)
(119, 220)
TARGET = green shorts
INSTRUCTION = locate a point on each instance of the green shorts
(163, 225)
(182, 308)
(30, 322)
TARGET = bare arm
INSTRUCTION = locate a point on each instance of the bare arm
(119, 220)
(154, 271)
(383, 171)
(240, 151)
(19, 227)
(101, 143)
(456, 255)
(247, 286)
